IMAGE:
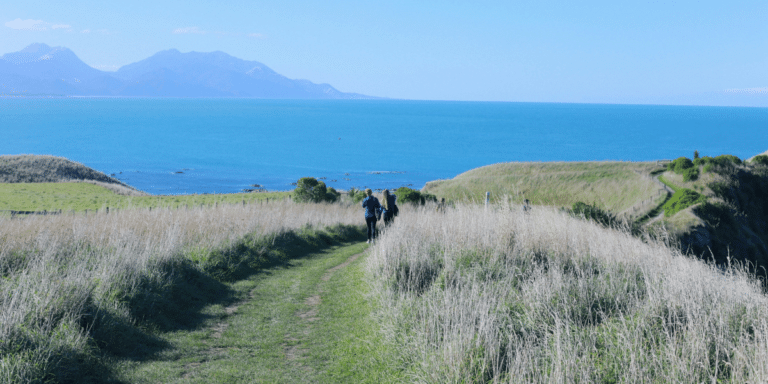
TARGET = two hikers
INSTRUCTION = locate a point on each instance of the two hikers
(374, 210)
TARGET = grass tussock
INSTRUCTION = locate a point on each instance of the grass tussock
(76, 286)
(500, 295)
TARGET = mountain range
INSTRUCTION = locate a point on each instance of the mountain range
(41, 70)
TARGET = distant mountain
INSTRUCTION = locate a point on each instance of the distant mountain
(39, 70)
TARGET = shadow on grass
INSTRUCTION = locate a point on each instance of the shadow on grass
(177, 301)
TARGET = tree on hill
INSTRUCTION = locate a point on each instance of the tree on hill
(309, 189)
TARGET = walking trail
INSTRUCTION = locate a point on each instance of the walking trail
(309, 322)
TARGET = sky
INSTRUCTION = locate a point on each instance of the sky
(590, 51)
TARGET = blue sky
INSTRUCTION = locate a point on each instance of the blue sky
(593, 51)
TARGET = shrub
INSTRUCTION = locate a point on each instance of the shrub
(691, 174)
(728, 158)
(682, 199)
(356, 195)
(309, 189)
(591, 212)
(760, 159)
(720, 164)
(695, 155)
(332, 195)
(408, 195)
(680, 164)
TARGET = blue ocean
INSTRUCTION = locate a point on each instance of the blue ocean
(183, 146)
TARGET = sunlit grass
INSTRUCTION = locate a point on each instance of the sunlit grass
(86, 196)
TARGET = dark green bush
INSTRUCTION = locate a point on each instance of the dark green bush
(591, 212)
(690, 174)
(332, 195)
(684, 166)
(760, 159)
(309, 189)
(408, 195)
(728, 158)
(680, 164)
(721, 164)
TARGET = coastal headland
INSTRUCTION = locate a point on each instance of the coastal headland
(606, 265)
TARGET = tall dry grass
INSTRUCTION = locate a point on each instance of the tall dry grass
(57, 270)
(500, 295)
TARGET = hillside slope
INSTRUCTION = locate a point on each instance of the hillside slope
(625, 188)
(53, 169)
(720, 212)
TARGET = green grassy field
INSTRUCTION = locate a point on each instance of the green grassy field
(614, 186)
(85, 196)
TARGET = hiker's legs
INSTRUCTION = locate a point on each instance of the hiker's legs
(371, 223)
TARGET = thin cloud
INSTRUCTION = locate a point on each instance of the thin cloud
(28, 25)
(61, 26)
(747, 91)
(194, 30)
(255, 35)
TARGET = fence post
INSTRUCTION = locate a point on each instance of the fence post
(487, 198)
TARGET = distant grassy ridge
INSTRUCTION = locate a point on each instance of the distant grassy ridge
(37, 183)
(611, 185)
(86, 196)
(48, 169)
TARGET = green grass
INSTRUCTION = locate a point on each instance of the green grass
(278, 334)
(682, 199)
(85, 196)
(614, 186)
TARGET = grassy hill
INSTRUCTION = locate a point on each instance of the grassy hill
(626, 188)
(713, 207)
(47, 169)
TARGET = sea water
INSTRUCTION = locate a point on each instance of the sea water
(181, 146)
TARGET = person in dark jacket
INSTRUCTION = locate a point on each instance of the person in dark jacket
(389, 207)
(372, 206)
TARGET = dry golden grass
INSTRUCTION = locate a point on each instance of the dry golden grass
(499, 295)
(55, 269)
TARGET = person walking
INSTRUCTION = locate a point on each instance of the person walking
(372, 206)
(389, 206)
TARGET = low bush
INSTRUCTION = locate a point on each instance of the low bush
(684, 166)
(591, 212)
(408, 195)
(680, 164)
(760, 159)
(721, 164)
(310, 190)
(691, 174)
(356, 195)
(682, 199)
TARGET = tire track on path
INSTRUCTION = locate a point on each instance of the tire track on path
(293, 350)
